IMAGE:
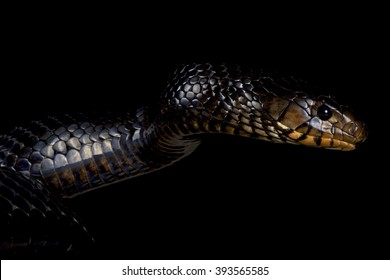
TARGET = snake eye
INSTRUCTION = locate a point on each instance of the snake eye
(324, 112)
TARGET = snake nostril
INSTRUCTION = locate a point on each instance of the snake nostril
(353, 129)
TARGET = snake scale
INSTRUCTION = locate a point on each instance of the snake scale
(64, 156)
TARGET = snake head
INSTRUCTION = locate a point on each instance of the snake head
(316, 121)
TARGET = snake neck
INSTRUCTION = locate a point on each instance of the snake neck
(161, 140)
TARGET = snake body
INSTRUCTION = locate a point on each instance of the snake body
(62, 157)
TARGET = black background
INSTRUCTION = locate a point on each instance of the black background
(233, 198)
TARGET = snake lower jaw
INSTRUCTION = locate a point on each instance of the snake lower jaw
(321, 142)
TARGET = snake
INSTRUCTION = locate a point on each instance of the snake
(49, 161)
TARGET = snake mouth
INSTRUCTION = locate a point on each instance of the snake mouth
(321, 142)
(347, 143)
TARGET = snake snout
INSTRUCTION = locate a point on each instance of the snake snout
(362, 133)
(353, 133)
(362, 137)
(356, 131)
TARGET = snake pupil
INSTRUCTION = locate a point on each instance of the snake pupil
(324, 112)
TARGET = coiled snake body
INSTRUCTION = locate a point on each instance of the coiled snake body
(61, 157)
